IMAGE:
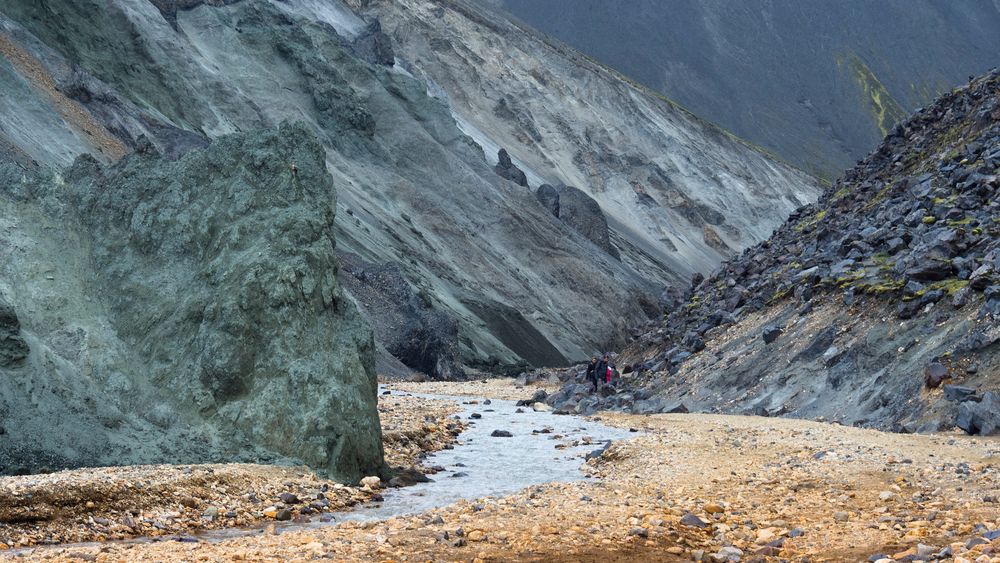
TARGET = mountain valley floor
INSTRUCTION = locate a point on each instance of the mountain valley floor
(686, 487)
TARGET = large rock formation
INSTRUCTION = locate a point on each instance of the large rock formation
(185, 311)
(679, 194)
(580, 211)
(862, 305)
(507, 170)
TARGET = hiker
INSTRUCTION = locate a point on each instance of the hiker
(609, 373)
(592, 372)
(602, 368)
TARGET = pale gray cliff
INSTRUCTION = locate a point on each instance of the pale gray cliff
(412, 148)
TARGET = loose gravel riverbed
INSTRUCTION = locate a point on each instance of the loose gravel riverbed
(685, 487)
(176, 501)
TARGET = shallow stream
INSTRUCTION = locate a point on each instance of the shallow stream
(478, 465)
(481, 465)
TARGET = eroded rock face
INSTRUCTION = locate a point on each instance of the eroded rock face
(169, 8)
(374, 46)
(424, 339)
(13, 348)
(580, 211)
(415, 191)
(507, 170)
(205, 322)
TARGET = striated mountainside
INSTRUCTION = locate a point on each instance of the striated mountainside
(679, 194)
(877, 306)
(440, 243)
(159, 311)
(818, 83)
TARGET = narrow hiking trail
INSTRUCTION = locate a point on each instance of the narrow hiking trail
(681, 487)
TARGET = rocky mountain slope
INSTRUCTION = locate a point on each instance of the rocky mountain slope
(817, 83)
(439, 243)
(876, 306)
(159, 311)
(679, 194)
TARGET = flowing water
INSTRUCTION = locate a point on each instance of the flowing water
(478, 465)
(481, 465)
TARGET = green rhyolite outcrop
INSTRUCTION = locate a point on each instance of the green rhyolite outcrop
(185, 311)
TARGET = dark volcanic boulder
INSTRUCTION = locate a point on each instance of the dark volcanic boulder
(583, 213)
(549, 198)
(506, 169)
(13, 348)
(959, 394)
(982, 417)
(374, 46)
(770, 334)
(934, 374)
(579, 211)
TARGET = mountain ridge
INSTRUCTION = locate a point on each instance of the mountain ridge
(815, 84)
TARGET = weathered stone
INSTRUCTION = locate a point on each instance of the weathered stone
(982, 417)
(283, 515)
(13, 348)
(548, 196)
(506, 169)
(729, 553)
(374, 46)
(771, 334)
(691, 520)
(580, 212)
(219, 286)
(958, 394)
(934, 374)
